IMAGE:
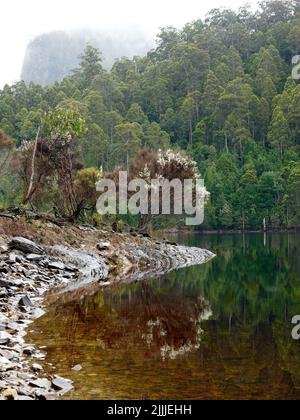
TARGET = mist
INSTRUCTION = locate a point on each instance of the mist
(23, 21)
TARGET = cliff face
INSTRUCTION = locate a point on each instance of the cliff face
(50, 57)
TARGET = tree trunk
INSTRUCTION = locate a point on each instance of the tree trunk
(30, 187)
(243, 221)
(226, 143)
(265, 224)
(191, 132)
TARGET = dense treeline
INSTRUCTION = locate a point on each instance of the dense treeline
(221, 89)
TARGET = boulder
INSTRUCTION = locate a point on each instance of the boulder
(26, 246)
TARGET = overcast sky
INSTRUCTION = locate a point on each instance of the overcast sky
(22, 20)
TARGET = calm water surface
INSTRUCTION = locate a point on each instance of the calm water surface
(221, 330)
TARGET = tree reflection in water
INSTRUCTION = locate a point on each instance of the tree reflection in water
(221, 330)
(141, 318)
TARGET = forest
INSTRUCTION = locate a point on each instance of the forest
(220, 90)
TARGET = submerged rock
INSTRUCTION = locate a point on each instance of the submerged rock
(62, 385)
(77, 368)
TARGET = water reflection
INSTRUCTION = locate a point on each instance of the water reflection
(141, 317)
(221, 330)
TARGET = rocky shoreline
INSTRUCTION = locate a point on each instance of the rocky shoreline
(29, 270)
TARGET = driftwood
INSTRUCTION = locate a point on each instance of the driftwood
(7, 216)
(13, 213)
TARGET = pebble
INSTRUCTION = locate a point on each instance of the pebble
(103, 246)
(29, 350)
(4, 337)
(77, 368)
(3, 249)
(25, 302)
(4, 361)
(36, 367)
(26, 273)
(6, 354)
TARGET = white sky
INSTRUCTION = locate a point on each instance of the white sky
(22, 20)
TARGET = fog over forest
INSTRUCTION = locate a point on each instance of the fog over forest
(50, 57)
(121, 28)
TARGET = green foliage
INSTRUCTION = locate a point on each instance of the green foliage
(221, 89)
(64, 123)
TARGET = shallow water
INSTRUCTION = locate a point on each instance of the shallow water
(221, 330)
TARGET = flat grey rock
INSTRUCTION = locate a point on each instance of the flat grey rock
(34, 257)
(25, 302)
(56, 265)
(26, 246)
(41, 383)
(4, 337)
(62, 385)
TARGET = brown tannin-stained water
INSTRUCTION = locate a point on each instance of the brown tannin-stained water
(221, 330)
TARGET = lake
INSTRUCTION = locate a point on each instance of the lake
(217, 331)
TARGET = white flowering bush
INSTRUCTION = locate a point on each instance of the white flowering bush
(169, 157)
(168, 165)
